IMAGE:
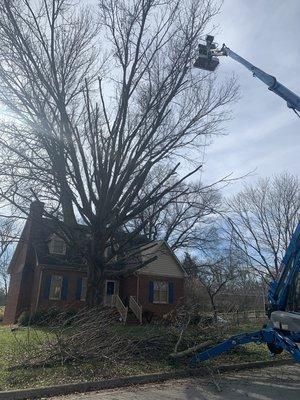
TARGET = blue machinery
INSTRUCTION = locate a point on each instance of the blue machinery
(283, 309)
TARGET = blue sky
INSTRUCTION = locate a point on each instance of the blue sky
(264, 135)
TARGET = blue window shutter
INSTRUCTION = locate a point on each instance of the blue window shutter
(78, 288)
(46, 288)
(64, 288)
(151, 292)
(171, 292)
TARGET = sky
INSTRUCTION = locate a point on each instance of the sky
(263, 135)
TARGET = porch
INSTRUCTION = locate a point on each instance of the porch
(117, 295)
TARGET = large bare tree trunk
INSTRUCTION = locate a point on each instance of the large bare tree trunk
(95, 286)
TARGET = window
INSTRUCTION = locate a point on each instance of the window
(83, 289)
(55, 287)
(160, 292)
(57, 245)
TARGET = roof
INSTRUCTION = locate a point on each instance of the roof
(36, 236)
(156, 247)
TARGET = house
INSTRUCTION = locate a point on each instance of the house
(46, 273)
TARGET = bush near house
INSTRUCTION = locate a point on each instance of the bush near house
(50, 317)
(2, 308)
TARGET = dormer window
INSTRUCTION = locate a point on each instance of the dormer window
(57, 245)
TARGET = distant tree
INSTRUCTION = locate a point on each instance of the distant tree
(7, 239)
(216, 272)
(86, 146)
(214, 275)
(263, 218)
(190, 265)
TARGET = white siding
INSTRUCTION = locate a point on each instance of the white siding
(165, 264)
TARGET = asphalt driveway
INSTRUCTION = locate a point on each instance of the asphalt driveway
(280, 383)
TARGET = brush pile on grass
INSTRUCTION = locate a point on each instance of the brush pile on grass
(93, 335)
(87, 335)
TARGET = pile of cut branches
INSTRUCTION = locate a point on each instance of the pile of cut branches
(195, 331)
(88, 335)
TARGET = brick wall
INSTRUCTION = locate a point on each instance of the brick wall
(71, 301)
(127, 288)
(25, 286)
(23, 292)
(25, 295)
(19, 294)
(159, 309)
(12, 299)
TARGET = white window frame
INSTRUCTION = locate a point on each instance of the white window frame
(160, 301)
(52, 249)
(51, 297)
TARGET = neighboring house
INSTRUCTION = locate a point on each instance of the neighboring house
(45, 273)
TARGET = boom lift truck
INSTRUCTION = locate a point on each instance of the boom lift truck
(283, 308)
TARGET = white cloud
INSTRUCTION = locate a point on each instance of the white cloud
(264, 134)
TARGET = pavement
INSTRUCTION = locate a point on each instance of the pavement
(275, 383)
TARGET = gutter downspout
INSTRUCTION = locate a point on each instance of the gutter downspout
(137, 288)
(38, 289)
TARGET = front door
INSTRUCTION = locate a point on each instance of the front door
(111, 290)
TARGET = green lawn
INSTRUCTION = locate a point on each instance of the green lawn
(12, 344)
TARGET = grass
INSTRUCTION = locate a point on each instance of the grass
(12, 344)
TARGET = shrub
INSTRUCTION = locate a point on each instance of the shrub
(40, 317)
(24, 318)
(51, 317)
(1, 313)
(148, 316)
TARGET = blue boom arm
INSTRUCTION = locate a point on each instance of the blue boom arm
(268, 336)
(284, 329)
(284, 295)
(279, 290)
(293, 101)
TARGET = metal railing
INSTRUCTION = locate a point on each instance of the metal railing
(136, 308)
(123, 311)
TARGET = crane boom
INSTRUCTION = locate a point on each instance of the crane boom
(293, 101)
(208, 60)
(283, 311)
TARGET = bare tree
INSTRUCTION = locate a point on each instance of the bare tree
(86, 147)
(187, 222)
(216, 272)
(7, 240)
(214, 276)
(263, 219)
